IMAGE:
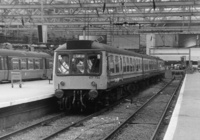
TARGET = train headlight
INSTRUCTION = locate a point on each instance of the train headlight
(62, 83)
(94, 84)
(59, 93)
(93, 93)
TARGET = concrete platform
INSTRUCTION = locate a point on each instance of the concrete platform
(30, 91)
(185, 121)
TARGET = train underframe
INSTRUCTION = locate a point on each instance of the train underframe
(93, 100)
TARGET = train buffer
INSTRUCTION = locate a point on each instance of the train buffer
(16, 76)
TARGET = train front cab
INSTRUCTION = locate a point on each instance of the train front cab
(79, 75)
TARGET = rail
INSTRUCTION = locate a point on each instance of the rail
(110, 135)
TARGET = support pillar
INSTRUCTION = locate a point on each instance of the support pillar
(150, 42)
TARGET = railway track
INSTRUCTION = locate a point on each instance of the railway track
(164, 97)
(32, 126)
(76, 121)
(102, 117)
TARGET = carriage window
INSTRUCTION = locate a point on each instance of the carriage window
(140, 64)
(50, 64)
(41, 63)
(127, 64)
(30, 63)
(150, 65)
(47, 64)
(111, 64)
(136, 64)
(124, 64)
(131, 64)
(37, 64)
(23, 63)
(63, 63)
(146, 65)
(0, 64)
(153, 64)
(15, 63)
(93, 63)
(117, 62)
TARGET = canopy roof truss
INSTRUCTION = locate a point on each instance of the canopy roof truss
(134, 16)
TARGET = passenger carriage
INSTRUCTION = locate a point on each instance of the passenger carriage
(85, 70)
(32, 65)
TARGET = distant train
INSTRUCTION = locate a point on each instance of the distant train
(32, 65)
(86, 73)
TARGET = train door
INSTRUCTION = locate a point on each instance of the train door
(121, 67)
(5, 68)
(1, 69)
(44, 68)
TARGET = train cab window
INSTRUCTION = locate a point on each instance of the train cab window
(111, 64)
(30, 63)
(37, 64)
(117, 63)
(15, 63)
(93, 63)
(63, 64)
(23, 63)
(78, 65)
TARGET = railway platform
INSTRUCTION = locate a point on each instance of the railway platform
(185, 120)
(29, 92)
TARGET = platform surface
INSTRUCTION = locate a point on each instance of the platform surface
(30, 91)
(185, 121)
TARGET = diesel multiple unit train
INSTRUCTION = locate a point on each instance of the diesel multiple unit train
(31, 65)
(86, 73)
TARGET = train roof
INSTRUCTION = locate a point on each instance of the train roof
(92, 45)
(19, 53)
